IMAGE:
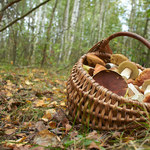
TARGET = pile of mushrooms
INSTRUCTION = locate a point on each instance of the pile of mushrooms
(120, 75)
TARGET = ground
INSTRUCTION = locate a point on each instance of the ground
(33, 115)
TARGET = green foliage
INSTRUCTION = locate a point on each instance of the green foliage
(24, 41)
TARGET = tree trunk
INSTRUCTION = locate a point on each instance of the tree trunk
(131, 19)
(48, 35)
(73, 25)
(65, 30)
(101, 19)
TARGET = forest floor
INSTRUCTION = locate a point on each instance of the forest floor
(33, 115)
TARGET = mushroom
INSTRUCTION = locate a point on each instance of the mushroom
(128, 70)
(118, 58)
(142, 77)
(140, 71)
(112, 81)
(93, 60)
(146, 87)
(110, 65)
(130, 81)
(98, 68)
(88, 69)
(147, 99)
(137, 95)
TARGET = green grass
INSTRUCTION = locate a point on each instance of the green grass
(20, 107)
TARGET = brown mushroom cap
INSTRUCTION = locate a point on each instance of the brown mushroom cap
(145, 75)
(147, 99)
(130, 65)
(93, 60)
(112, 81)
(98, 68)
(145, 84)
(118, 58)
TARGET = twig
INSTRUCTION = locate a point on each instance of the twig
(11, 23)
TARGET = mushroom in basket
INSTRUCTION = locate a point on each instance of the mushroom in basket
(146, 88)
(118, 59)
(145, 75)
(112, 81)
(128, 70)
(93, 60)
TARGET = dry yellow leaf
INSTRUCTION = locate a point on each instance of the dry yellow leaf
(46, 138)
(52, 124)
(40, 103)
(9, 82)
(21, 140)
(47, 117)
(9, 94)
(27, 82)
(62, 103)
(68, 127)
(10, 131)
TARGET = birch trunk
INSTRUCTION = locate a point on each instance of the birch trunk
(101, 19)
(38, 20)
(73, 25)
(65, 30)
(131, 19)
(48, 34)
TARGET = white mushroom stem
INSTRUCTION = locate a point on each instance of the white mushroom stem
(147, 91)
(126, 73)
(138, 96)
(140, 71)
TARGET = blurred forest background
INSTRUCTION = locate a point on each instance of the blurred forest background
(58, 32)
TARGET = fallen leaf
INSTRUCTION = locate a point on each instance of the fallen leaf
(116, 134)
(62, 103)
(21, 140)
(10, 131)
(27, 82)
(40, 126)
(38, 148)
(9, 94)
(128, 139)
(93, 135)
(52, 124)
(54, 103)
(40, 103)
(47, 116)
(36, 80)
(68, 127)
(73, 134)
(46, 138)
(7, 118)
(94, 146)
(23, 147)
(9, 83)
(61, 117)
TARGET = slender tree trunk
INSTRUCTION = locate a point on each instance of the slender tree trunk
(94, 29)
(14, 48)
(39, 18)
(65, 30)
(104, 19)
(73, 25)
(101, 19)
(48, 35)
(131, 19)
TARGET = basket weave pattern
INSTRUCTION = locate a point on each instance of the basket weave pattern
(97, 107)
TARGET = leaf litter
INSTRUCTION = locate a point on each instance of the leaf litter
(34, 116)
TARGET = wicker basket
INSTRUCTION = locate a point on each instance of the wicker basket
(97, 107)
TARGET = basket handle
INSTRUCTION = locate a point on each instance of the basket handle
(103, 46)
